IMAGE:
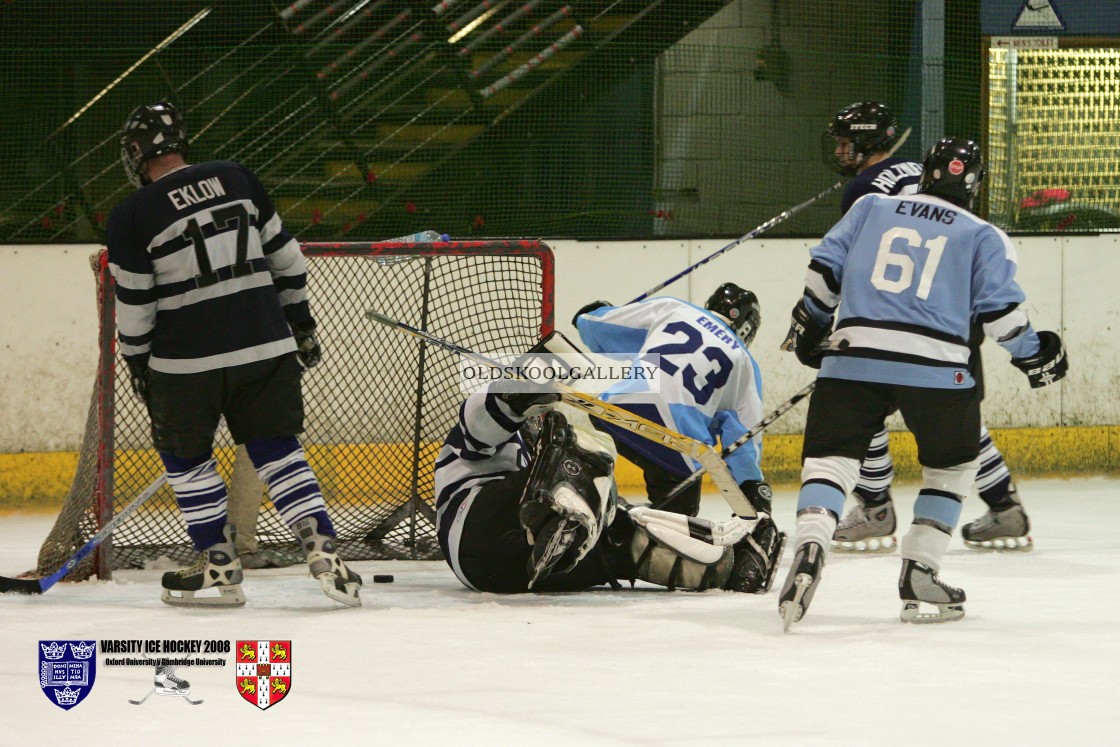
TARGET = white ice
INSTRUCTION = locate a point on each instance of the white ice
(425, 661)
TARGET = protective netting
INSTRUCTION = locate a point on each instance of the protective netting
(583, 118)
(378, 405)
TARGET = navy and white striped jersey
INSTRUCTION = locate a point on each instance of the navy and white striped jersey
(910, 275)
(711, 388)
(206, 275)
(485, 445)
(891, 176)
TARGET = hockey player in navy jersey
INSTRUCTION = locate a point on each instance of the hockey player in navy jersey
(906, 278)
(526, 501)
(214, 321)
(857, 143)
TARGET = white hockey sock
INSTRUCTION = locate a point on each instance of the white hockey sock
(925, 544)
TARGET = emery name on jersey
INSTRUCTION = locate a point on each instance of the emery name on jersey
(891, 176)
(206, 275)
(486, 444)
(911, 274)
(710, 388)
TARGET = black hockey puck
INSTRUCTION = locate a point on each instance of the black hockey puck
(383, 578)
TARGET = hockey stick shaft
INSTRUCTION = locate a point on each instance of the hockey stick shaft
(762, 425)
(763, 228)
(613, 414)
(40, 585)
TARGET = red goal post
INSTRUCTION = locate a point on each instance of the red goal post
(378, 405)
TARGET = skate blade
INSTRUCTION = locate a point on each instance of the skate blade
(872, 545)
(791, 609)
(1002, 544)
(343, 593)
(911, 613)
(229, 596)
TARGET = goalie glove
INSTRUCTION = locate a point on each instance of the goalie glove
(307, 344)
(140, 376)
(1048, 365)
(806, 336)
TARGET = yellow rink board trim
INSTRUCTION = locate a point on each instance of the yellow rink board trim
(39, 481)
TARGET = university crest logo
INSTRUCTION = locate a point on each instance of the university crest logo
(263, 671)
(67, 670)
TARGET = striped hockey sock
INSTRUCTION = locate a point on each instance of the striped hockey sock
(291, 484)
(201, 495)
(875, 472)
(993, 481)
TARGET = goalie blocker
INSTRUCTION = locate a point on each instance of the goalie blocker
(529, 504)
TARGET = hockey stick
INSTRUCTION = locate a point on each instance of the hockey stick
(40, 585)
(762, 425)
(779, 218)
(141, 701)
(706, 455)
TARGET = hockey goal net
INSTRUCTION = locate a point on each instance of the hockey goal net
(378, 405)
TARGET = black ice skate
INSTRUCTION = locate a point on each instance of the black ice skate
(801, 583)
(168, 683)
(216, 567)
(338, 582)
(867, 528)
(919, 583)
(1007, 529)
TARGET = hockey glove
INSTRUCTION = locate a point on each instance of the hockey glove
(758, 493)
(307, 345)
(141, 378)
(805, 336)
(1046, 366)
(588, 309)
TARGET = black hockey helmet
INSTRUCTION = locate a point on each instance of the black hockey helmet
(954, 170)
(739, 307)
(151, 130)
(869, 127)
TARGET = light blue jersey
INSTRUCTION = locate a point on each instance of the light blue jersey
(711, 388)
(910, 275)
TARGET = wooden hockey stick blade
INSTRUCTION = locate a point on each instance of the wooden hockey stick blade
(38, 586)
(743, 439)
(708, 458)
(764, 227)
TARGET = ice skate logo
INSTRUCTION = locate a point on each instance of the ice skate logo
(66, 671)
(572, 467)
(167, 682)
(263, 671)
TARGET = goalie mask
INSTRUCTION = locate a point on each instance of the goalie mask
(953, 170)
(151, 130)
(856, 132)
(739, 308)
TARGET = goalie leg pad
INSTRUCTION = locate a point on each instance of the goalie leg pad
(680, 552)
(568, 498)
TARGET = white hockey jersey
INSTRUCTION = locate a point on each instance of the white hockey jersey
(711, 387)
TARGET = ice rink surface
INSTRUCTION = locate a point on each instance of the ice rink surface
(424, 661)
